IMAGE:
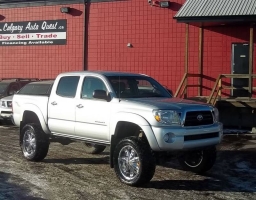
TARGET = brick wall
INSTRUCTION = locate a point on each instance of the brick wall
(43, 61)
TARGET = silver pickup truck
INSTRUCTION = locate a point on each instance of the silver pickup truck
(132, 113)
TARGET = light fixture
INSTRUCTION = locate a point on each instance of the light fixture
(64, 9)
(164, 4)
(129, 45)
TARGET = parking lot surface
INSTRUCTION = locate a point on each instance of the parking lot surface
(69, 173)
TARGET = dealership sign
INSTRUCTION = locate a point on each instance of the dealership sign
(48, 32)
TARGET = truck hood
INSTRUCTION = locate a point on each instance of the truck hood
(169, 103)
(9, 98)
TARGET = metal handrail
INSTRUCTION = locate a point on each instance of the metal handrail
(217, 89)
(214, 89)
(181, 85)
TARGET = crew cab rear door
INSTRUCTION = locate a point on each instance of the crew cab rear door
(62, 104)
(92, 115)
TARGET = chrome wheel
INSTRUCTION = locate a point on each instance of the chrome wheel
(194, 159)
(129, 162)
(29, 143)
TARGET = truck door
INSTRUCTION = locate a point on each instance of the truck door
(92, 115)
(62, 103)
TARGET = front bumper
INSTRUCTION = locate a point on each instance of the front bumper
(5, 113)
(184, 138)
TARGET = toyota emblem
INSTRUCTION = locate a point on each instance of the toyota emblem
(200, 117)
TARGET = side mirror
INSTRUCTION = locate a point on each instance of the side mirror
(100, 94)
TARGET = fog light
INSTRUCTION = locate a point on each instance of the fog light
(169, 137)
(166, 137)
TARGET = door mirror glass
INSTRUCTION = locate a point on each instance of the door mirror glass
(100, 94)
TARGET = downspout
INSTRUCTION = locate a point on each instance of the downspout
(186, 58)
(200, 64)
(251, 47)
(85, 34)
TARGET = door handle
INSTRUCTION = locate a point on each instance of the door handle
(80, 106)
(54, 103)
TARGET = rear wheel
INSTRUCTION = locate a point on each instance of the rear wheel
(198, 161)
(34, 142)
(134, 162)
(94, 148)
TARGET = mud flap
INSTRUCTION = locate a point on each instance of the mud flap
(112, 149)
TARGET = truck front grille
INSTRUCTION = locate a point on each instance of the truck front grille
(198, 118)
(201, 136)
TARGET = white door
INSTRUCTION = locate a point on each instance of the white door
(92, 115)
(62, 104)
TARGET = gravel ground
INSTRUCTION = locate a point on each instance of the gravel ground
(68, 173)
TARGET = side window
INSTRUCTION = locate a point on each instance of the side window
(36, 89)
(67, 86)
(89, 85)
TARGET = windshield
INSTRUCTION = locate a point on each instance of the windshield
(3, 87)
(137, 87)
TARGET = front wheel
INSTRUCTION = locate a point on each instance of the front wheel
(134, 162)
(34, 142)
(198, 161)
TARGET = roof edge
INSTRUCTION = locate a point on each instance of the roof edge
(242, 18)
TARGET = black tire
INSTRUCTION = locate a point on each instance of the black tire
(94, 148)
(199, 161)
(4, 122)
(146, 161)
(38, 145)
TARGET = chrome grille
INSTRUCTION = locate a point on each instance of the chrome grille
(198, 118)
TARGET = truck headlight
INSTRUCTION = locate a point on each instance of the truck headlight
(2, 103)
(216, 114)
(168, 117)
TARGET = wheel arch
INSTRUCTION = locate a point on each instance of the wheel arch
(32, 114)
(128, 125)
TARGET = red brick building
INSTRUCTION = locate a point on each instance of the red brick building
(128, 35)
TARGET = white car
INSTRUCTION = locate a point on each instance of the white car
(33, 88)
(6, 108)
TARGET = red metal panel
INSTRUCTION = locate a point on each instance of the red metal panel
(158, 41)
(44, 61)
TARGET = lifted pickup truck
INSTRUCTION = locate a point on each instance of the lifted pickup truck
(132, 113)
